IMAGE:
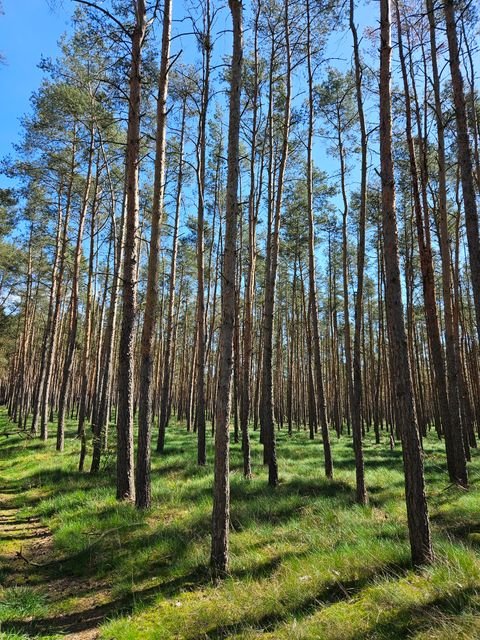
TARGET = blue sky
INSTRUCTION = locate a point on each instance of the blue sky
(28, 30)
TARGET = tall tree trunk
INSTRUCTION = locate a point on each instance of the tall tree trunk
(86, 355)
(357, 406)
(417, 511)
(100, 413)
(73, 320)
(221, 490)
(454, 448)
(168, 362)
(55, 326)
(267, 413)
(313, 303)
(143, 495)
(37, 408)
(252, 257)
(125, 410)
(452, 353)
(464, 156)
(201, 151)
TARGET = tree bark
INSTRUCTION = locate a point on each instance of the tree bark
(313, 303)
(168, 360)
(73, 320)
(464, 156)
(125, 410)
(221, 491)
(417, 511)
(357, 407)
(143, 495)
(200, 423)
(452, 353)
(250, 283)
(267, 412)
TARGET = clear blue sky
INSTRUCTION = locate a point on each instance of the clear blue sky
(29, 29)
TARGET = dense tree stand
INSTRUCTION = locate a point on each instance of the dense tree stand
(257, 261)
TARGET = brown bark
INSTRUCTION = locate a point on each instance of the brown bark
(143, 496)
(417, 511)
(169, 351)
(86, 354)
(452, 354)
(275, 206)
(106, 354)
(357, 413)
(464, 156)
(125, 409)
(312, 291)
(55, 333)
(221, 490)
(250, 281)
(73, 320)
(201, 151)
(455, 458)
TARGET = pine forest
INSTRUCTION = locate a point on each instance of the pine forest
(240, 322)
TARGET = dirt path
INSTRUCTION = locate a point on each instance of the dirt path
(27, 559)
(18, 533)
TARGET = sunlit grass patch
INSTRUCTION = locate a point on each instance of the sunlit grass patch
(20, 602)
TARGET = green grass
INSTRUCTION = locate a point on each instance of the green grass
(20, 601)
(306, 561)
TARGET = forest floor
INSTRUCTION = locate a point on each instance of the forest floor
(306, 562)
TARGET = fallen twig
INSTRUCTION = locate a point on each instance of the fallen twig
(17, 432)
(102, 535)
(108, 531)
(453, 485)
(28, 561)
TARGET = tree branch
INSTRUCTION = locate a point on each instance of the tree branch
(106, 13)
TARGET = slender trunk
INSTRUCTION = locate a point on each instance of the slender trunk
(100, 412)
(125, 407)
(145, 417)
(55, 326)
(267, 413)
(201, 150)
(357, 405)
(417, 511)
(73, 320)
(313, 303)
(464, 156)
(168, 354)
(456, 462)
(452, 353)
(250, 283)
(48, 329)
(86, 355)
(221, 490)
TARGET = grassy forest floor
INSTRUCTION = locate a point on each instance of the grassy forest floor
(306, 562)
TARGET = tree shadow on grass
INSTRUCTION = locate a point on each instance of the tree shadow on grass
(334, 591)
(24, 535)
(410, 620)
(318, 488)
(77, 622)
(16, 448)
(199, 578)
(391, 460)
(57, 482)
(465, 530)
